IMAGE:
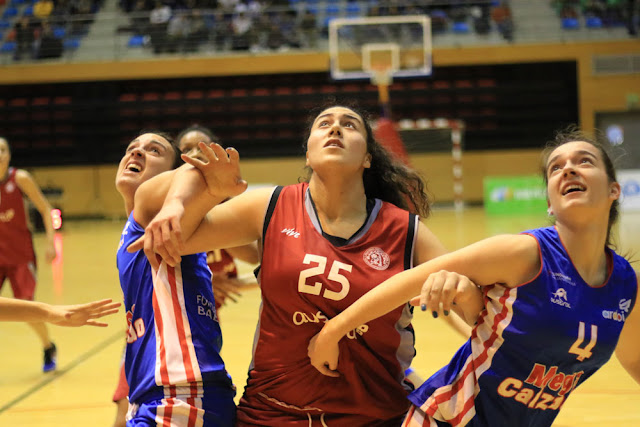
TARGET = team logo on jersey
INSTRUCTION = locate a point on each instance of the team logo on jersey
(625, 305)
(560, 297)
(7, 215)
(618, 316)
(376, 258)
(291, 232)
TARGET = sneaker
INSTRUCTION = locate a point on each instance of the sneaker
(50, 358)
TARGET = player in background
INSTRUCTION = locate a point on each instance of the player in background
(559, 302)
(172, 362)
(17, 257)
(13, 310)
(226, 283)
(325, 242)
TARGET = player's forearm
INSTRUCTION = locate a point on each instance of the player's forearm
(13, 310)
(189, 190)
(379, 301)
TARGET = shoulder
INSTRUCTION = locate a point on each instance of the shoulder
(24, 180)
(23, 176)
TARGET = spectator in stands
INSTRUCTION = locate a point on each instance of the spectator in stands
(501, 15)
(49, 45)
(198, 31)
(82, 16)
(24, 36)
(242, 27)
(158, 21)
(43, 9)
(309, 30)
(60, 13)
(177, 32)
(140, 17)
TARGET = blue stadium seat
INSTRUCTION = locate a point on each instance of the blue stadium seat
(71, 44)
(17, 2)
(353, 10)
(8, 47)
(570, 23)
(5, 24)
(593, 22)
(460, 27)
(28, 11)
(10, 12)
(59, 32)
(136, 41)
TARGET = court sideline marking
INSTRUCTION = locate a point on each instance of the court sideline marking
(58, 373)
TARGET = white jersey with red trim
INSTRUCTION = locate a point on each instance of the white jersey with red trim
(532, 345)
(173, 336)
(307, 277)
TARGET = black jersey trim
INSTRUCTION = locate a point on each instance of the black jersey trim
(272, 206)
(410, 243)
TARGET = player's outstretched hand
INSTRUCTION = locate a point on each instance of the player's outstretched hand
(221, 170)
(323, 354)
(81, 314)
(162, 238)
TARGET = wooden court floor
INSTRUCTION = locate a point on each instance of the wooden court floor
(79, 393)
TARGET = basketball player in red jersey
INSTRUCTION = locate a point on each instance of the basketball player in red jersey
(325, 242)
(17, 258)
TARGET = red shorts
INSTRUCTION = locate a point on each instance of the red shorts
(122, 389)
(260, 411)
(22, 278)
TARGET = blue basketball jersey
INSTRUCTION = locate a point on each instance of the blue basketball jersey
(173, 336)
(533, 344)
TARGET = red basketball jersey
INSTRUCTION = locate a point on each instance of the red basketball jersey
(222, 263)
(307, 277)
(15, 244)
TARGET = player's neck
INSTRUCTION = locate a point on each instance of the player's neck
(341, 209)
(585, 246)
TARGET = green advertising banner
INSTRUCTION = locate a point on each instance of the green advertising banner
(514, 194)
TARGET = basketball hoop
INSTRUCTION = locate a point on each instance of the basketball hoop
(381, 75)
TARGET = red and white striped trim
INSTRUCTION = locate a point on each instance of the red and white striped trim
(454, 402)
(179, 412)
(176, 361)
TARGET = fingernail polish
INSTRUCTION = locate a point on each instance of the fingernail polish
(446, 312)
(434, 314)
(423, 307)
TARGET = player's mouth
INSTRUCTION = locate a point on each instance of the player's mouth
(573, 188)
(334, 142)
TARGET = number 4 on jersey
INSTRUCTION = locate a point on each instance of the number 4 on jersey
(584, 353)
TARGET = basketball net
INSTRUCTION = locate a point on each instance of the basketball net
(381, 76)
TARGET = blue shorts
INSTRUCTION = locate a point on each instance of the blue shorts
(213, 409)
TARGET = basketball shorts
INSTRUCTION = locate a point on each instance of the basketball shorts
(215, 408)
(261, 410)
(22, 278)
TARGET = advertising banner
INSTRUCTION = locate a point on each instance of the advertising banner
(514, 194)
(630, 183)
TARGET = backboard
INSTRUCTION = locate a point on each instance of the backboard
(360, 47)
